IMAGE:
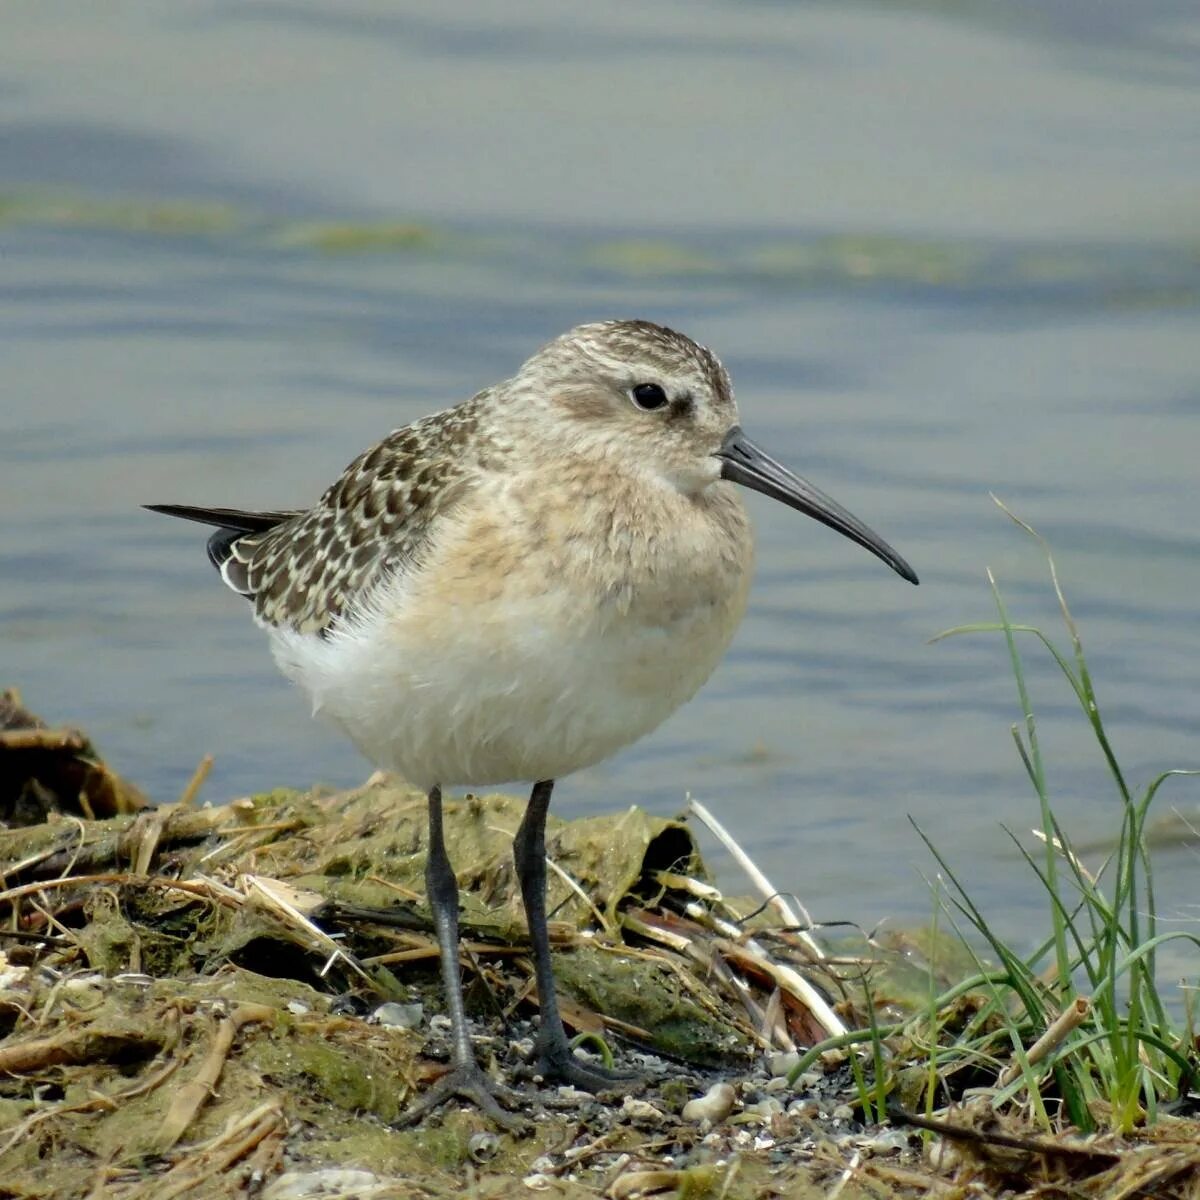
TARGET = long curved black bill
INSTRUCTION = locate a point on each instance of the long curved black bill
(745, 463)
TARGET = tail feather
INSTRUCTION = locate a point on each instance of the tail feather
(232, 524)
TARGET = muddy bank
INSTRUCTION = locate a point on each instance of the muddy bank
(241, 1001)
(201, 1000)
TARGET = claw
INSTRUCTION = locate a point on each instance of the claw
(468, 1082)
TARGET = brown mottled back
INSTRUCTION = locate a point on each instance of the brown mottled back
(303, 573)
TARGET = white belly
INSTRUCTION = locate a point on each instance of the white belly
(534, 694)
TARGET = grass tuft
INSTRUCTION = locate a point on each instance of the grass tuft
(1075, 1033)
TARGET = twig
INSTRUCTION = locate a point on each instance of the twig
(430, 950)
(42, 739)
(176, 885)
(964, 1133)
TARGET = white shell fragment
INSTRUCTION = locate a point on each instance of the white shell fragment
(482, 1146)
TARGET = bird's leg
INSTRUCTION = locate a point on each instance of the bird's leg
(555, 1059)
(465, 1078)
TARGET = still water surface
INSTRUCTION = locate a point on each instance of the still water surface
(943, 250)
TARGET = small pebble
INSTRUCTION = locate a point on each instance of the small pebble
(297, 1009)
(643, 1183)
(78, 983)
(763, 1110)
(347, 1005)
(714, 1106)
(843, 1112)
(641, 1110)
(399, 1016)
(327, 1181)
(11, 976)
(803, 1108)
(782, 1061)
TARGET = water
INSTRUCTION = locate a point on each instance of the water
(943, 250)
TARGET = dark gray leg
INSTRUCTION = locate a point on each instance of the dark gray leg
(555, 1059)
(465, 1078)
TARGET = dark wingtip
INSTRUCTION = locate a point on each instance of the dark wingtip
(186, 512)
(223, 518)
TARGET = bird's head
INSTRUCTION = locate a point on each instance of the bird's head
(659, 403)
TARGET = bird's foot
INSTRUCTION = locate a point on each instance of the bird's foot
(562, 1066)
(468, 1082)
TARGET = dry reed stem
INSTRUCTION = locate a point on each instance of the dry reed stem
(191, 1096)
(199, 775)
(42, 739)
(276, 901)
(203, 890)
(1059, 1029)
(766, 888)
(151, 825)
(788, 979)
(202, 1163)
(569, 880)
(74, 1047)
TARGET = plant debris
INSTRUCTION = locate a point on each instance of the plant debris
(45, 770)
(242, 1000)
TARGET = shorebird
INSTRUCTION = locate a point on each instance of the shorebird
(515, 588)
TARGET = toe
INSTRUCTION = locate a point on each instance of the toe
(471, 1084)
(588, 1077)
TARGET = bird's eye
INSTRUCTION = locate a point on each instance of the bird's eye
(648, 396)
